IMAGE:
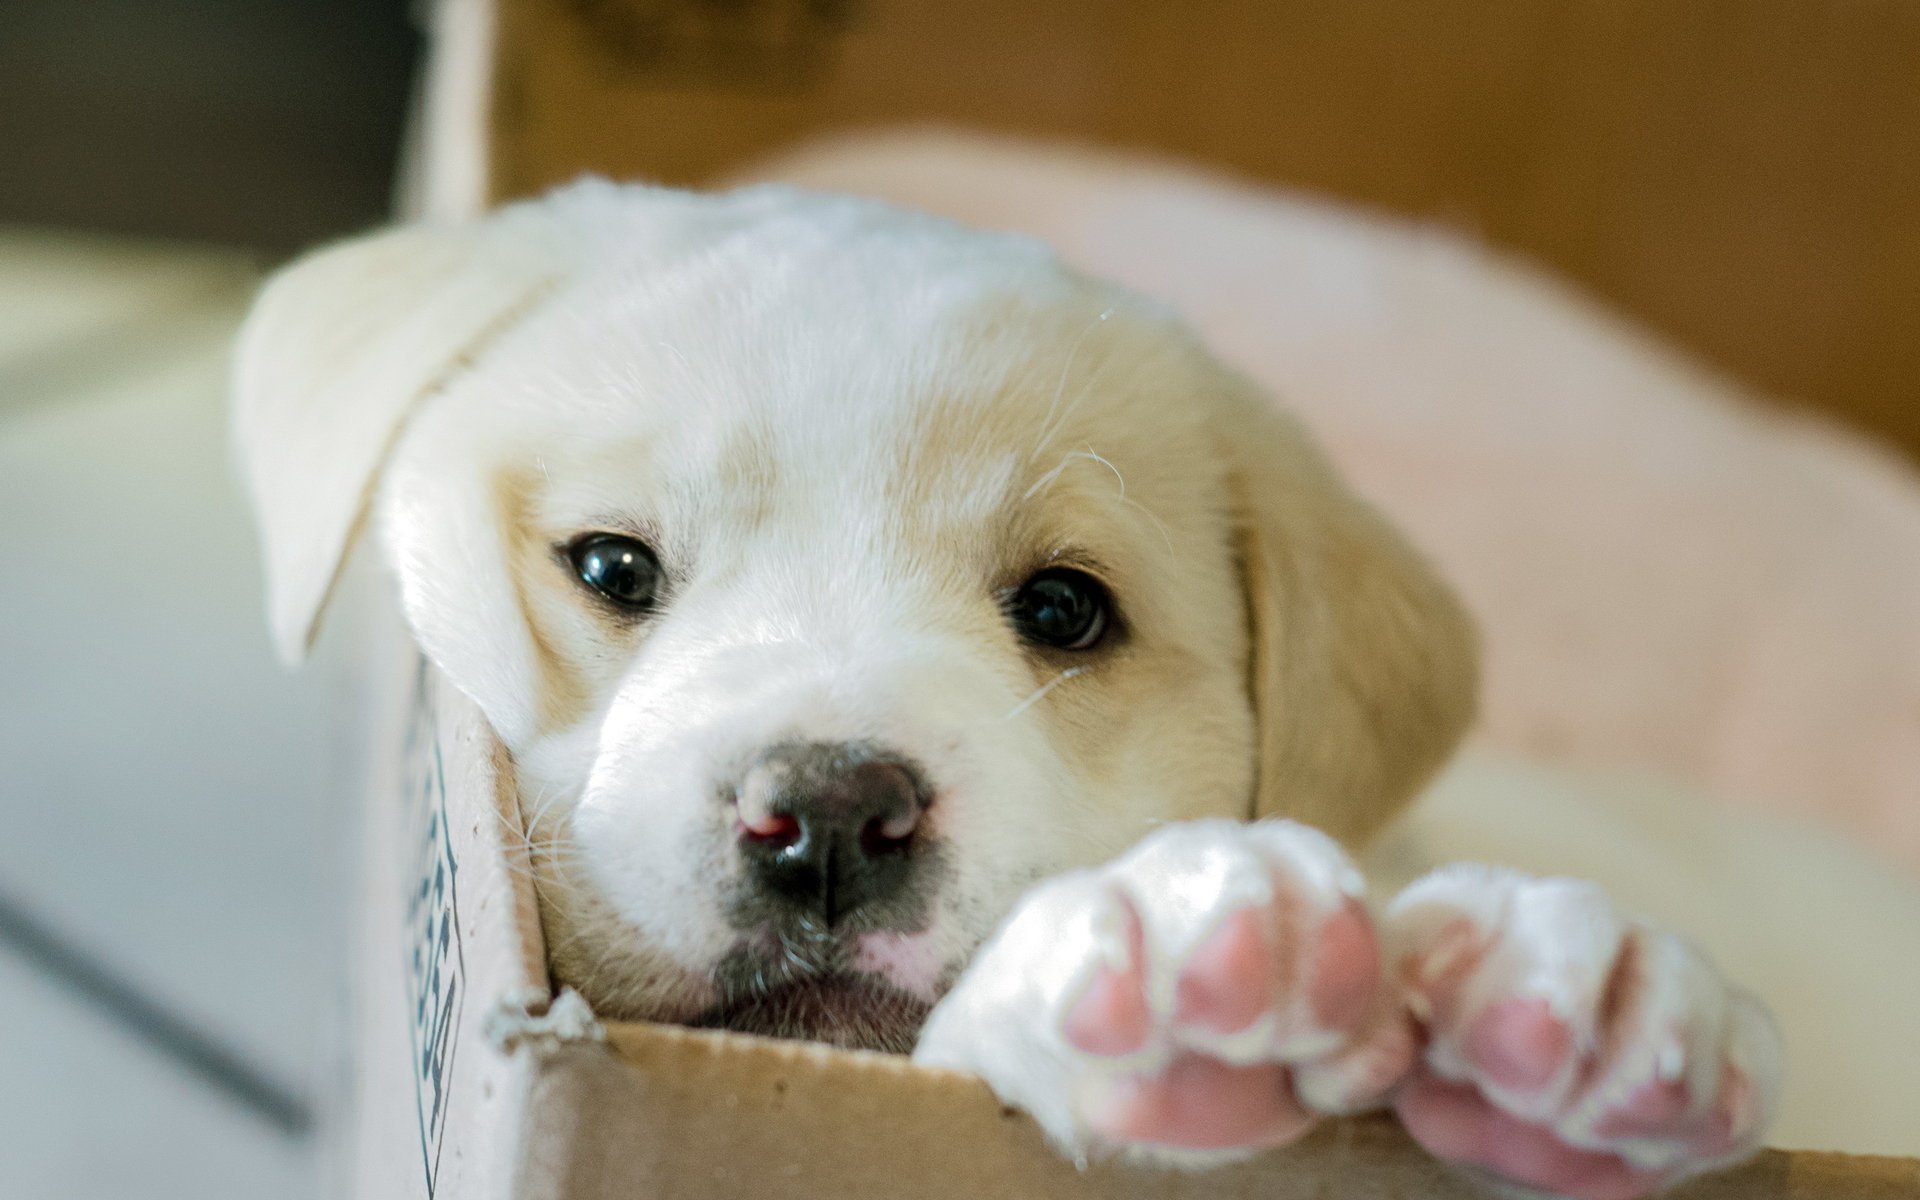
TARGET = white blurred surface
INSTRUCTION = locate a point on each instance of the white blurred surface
(165, 801)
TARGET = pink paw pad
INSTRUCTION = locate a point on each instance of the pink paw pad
(1653, 1109)
(1199, 1103)
(1519, 1043)
(1732, 1117)
(1346, 969)
(1111, 1017)
(1228, 983)
(1455, 1122)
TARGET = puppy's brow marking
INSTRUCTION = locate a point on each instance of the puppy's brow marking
(1046, 480)
(1034, 698)
(1165, 536)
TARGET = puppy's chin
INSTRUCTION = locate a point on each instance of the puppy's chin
(852, 1011)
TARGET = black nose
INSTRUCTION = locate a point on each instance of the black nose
(829, 827)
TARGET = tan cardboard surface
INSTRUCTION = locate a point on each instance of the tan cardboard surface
(448, 939)
(759, 1118)
(1743, 175)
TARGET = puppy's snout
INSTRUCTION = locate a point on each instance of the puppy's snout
(829, 828)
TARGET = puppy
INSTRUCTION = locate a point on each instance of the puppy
(897, 635)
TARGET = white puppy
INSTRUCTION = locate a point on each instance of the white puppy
(835, 575)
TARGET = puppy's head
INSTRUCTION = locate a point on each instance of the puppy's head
(832, 574)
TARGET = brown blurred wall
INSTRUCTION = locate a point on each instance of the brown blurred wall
(1743, 175)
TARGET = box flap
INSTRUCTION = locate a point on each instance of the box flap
(696, 1115)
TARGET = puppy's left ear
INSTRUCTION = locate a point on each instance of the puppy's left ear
(336, 352)
(1364, 664)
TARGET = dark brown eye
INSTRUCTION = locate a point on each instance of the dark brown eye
(1061, 607)
(622, 569)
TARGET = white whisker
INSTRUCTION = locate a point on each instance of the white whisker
(1044, 481)
(1165, 536)
(1065, 461)
(1095, 455)
(679, 359)
(1041, 691)
(1049, 427)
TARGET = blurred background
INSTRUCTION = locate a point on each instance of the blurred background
(172, 871)
(1721, 195)
(266, 124)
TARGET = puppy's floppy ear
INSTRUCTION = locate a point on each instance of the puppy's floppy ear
(1364, 664)
(337, 351)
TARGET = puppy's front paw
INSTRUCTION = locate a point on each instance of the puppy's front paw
(1197, 999)
(1567, 1049)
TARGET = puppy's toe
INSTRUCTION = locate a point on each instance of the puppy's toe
(1257, 947)
(1110, 1016)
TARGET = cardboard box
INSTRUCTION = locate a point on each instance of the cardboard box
(475, 1082)
(472, 1079)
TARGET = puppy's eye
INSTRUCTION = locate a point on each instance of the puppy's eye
(1061, 607)
(622, 569)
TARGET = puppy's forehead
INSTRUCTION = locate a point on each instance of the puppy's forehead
(889, 388)
(901, 354)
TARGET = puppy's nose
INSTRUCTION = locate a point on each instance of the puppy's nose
(829, 827)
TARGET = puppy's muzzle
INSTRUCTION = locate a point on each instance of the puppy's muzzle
(829, 828)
